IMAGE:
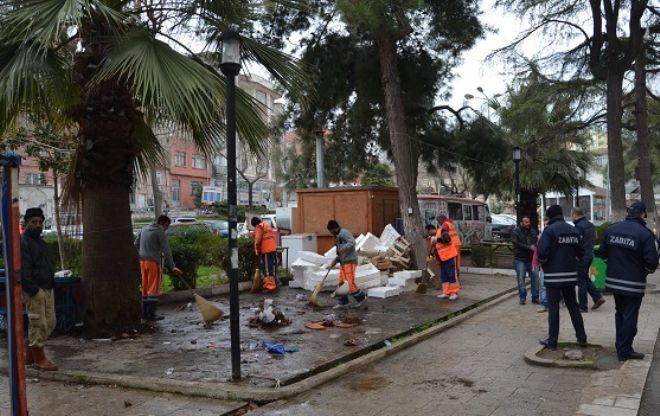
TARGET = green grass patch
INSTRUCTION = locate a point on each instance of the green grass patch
(207, 276)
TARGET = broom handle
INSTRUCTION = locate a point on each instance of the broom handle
(174, 274)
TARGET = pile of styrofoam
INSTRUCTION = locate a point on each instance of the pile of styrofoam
(310, 268)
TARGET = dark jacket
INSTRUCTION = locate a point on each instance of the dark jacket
(559, 250)
(588, 232)
(36, 268)
(630, 251)
(523, 243)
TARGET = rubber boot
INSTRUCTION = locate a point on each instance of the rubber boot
(151, 311)
(29, 358)
(40, 360)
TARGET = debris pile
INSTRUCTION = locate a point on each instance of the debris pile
(378, 259)
(268, 316)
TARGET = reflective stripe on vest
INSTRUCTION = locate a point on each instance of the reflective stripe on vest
(624, 285)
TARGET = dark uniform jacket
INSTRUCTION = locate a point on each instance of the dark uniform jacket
(523, 243)
(559, 250)
(36, 268)
(631, 254)
(588, 232)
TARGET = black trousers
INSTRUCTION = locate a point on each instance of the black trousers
(625, 318)
(554, 294)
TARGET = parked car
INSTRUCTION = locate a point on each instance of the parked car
(219, 227)
(184, 220)
(502, 226)
(182, 227)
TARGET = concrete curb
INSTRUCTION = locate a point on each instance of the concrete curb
(185, 295)
(228, 391)
(531, 356)
(489, 271)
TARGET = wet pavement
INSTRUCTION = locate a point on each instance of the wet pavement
(181, 348)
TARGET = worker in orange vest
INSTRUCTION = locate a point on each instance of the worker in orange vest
(265, 247)
(448, 225)
(447, 253)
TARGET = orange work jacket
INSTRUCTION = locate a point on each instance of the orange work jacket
(445, 251)
(264, 239)
(455, 239)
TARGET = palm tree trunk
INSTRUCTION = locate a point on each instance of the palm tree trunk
(56, 201)
(641, 113)
(110, 271)
(405, 150)
(615, 145)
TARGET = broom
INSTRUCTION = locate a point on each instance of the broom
(313, 298)
(257, 283)
(210, 312)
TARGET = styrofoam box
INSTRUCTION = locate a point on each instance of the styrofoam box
(383, 292)
(408, 274)
(312, 257)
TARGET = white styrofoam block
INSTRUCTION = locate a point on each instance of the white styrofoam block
(302, 264)
(388, 237)
(408, 274)
(368, 243)
(368, 284)
(332, 253)
(295, 284)
(384, 278)
(312, 257)
(404, 284)
(383, 292)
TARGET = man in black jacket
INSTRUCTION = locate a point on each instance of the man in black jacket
(585, 285)
(38, 281)
(559, 250)
(631, 254)
(524, 240)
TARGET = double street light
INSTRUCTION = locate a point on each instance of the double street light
(230, 65)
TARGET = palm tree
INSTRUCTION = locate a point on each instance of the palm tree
(96, 67)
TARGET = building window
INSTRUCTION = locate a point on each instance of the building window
(176, 190)
(261, 97)
(159, 178)
(180, 159)
(199, 162)
(195, 188)
(35, 179)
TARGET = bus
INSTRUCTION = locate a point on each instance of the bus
(470, 216)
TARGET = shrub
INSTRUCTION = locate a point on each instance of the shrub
(72, 253)
(189, 250)
(600, 230)
(247, 259)
(481, 256)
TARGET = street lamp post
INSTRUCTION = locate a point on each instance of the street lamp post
(516, 161)
(320, 168)
(230, 65)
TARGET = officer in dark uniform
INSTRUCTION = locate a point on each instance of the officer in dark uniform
(631, 254)
(559, 251)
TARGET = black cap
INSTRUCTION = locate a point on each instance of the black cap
(33, 212)
(554, 211)
(333, 225)
(637, 207)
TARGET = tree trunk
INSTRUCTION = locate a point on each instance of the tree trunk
(250, 186)
(528, 206)
(615, 146)
(643, 146)
(158, 195)
(104, 172)
(405, 150)
(110, 271)
(58, 225)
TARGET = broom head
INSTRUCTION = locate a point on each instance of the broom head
(421, 288)
(314, 297)
(257, 284)
(209, 311)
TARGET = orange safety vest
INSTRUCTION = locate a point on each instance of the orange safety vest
(445, 251)
(264, 239)
(455, 239)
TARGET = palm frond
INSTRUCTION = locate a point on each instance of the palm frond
(38, 82)
(150, 152)
(48, 20)
(180, 89)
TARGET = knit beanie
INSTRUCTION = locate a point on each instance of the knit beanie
(554, 211)
(33, 212)
(333, 225)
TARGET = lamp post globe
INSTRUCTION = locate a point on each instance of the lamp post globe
(230, 65)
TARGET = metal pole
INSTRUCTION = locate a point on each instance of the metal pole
(233, 233)
(320, 168)
(14, 290)
(517, 204)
